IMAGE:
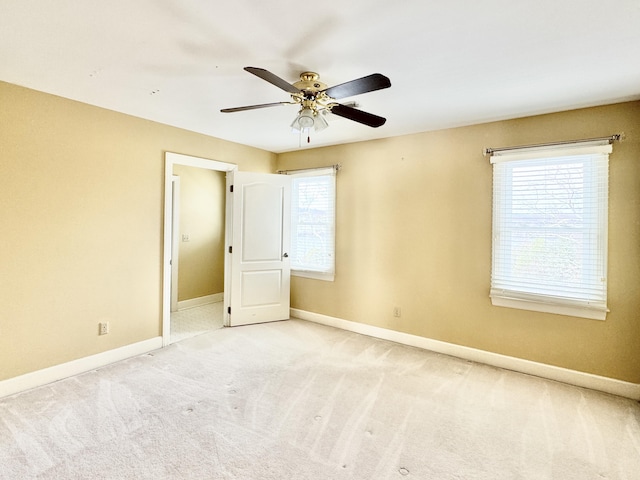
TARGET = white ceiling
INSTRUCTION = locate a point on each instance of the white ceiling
(451, 63)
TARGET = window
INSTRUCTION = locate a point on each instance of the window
(313, 195)
(550, 229)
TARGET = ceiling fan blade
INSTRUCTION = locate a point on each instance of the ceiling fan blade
(273, 79)
(370, 83)
(254, 107)
(358, 115)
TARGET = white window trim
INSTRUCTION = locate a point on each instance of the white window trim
(328, 277)
(503, 297)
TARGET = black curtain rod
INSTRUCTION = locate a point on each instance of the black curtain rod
(610, 139)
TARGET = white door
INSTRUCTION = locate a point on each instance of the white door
(260, 268)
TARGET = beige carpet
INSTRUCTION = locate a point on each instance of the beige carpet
(295, 400)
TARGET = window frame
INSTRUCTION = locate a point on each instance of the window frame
(512, 294)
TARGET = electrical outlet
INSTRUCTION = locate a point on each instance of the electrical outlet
(104, 328)
(185, 237)
(396, 312)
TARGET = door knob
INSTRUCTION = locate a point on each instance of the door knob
(285, 255)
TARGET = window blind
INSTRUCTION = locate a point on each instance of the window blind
(313, 222)
(550, 229)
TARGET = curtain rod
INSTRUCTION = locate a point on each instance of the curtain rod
(610, 139)
(336, 167)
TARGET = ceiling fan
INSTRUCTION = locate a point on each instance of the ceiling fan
(316, 100)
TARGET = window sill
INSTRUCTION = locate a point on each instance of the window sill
(593, 313)
(327, 277)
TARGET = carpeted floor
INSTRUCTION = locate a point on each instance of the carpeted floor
(294, 400)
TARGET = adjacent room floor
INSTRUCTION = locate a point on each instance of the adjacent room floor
(196, 321)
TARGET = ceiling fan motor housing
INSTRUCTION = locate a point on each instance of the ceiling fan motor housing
(309, 83)
(312, 92)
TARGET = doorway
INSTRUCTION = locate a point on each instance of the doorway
(197, 261)
(186, 250)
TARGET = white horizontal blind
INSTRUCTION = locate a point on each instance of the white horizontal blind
(550, 229)
(313, 195)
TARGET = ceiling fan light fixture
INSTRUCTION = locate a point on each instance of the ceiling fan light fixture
(304, 120)
(320, 122)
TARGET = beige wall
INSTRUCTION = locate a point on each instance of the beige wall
(81, 202)
(414, 231)
(202, 207)
(81, 209)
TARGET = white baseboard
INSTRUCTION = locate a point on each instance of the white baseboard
(75, 367)
(199, 301)
(572, 377)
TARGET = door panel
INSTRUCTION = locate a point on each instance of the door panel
(260, 271)
(258, 226)
(261, 288)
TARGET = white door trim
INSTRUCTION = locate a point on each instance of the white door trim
(175, 246)
(172, 159)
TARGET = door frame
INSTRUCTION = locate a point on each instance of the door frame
(175, 246)
(172, 159)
